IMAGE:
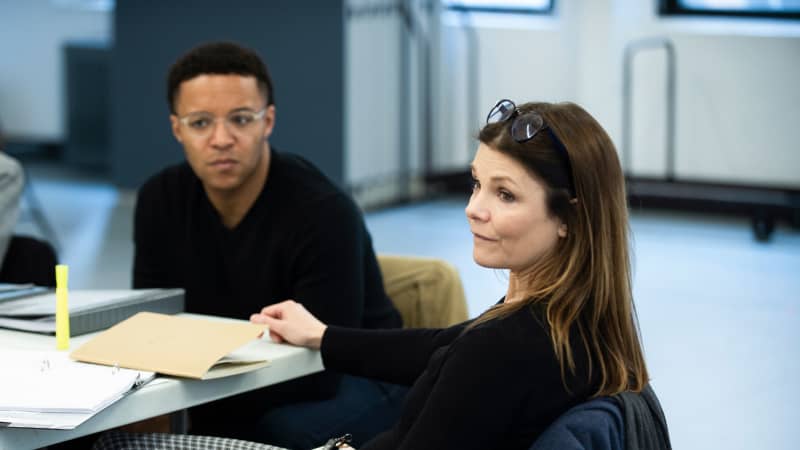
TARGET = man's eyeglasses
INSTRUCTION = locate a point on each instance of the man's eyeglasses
(523, 128)
(202, 124)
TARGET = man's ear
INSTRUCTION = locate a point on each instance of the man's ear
(176, 127)
(269, 121)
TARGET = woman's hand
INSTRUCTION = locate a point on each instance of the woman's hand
(289, 321)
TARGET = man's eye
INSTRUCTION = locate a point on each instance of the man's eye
(200, 123)
(241, 119)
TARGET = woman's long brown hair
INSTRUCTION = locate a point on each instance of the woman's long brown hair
(586, 281)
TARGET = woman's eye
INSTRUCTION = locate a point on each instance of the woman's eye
(475, 184)
(506, 196)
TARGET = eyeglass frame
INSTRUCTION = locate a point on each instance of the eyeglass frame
(184, 120)
(514, 116)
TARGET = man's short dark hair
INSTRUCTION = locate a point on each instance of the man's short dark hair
(220, 58)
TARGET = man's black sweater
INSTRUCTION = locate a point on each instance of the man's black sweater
(303, 239)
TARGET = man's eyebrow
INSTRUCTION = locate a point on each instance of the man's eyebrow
(233, 111)
(242, 109)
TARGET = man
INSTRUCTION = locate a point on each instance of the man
(11, 184)
(240, 225)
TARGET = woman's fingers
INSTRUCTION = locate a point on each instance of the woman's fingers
(289, 321)
(276, 309)
(257, 318)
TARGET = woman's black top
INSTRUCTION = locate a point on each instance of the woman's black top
(495, 386)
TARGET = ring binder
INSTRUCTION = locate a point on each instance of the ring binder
(49, 390)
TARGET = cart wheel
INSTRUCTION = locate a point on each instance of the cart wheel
(763, 226)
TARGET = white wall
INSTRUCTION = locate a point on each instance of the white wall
(383, 143)
(522, 59)
(32, 35)
(738, 99)
(372, 87)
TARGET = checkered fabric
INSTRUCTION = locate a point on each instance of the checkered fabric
(161, 441)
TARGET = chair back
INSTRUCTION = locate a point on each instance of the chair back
(29, 260)
(593, 425)
(426, 291)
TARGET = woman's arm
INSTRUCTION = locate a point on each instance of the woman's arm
(396, 355)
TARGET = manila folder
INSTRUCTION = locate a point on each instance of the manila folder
(170, 345)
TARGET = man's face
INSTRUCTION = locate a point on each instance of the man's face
(223, 122)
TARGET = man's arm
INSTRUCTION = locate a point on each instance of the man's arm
(11, 184)
(149, 258)
(327, 267)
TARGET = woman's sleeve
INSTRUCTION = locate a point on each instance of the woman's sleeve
(396, 356)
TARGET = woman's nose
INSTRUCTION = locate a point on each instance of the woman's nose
(475, 209)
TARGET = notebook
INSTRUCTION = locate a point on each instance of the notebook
(43, 389)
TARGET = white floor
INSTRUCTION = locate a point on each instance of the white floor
(719, 312)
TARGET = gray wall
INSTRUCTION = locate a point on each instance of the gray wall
(302, 42)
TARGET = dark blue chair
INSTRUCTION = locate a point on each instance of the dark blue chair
(594, 425)
(628, 420)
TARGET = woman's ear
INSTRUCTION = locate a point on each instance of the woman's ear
(562, 230)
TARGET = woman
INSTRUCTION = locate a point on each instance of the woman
(549, 205)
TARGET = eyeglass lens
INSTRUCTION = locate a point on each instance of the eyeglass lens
(526, 126)
(202, 124)
(501, 112)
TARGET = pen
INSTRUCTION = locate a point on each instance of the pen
(339, 442)
(62, 308)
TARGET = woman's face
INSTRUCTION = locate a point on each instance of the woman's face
(507, 213)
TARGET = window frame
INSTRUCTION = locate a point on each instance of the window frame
(674, 8)
(549, 10)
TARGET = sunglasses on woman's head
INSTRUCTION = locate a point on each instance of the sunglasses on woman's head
(523, 128)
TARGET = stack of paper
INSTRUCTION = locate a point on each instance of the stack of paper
(41, 389)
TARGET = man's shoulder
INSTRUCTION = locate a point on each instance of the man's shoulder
(307, 185)
(300, 172)
(170, 189)
(9, 164)
(171, 181)
(11, 174)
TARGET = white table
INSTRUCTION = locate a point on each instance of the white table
(162, 395)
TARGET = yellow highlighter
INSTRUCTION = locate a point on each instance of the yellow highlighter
(62, 308)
